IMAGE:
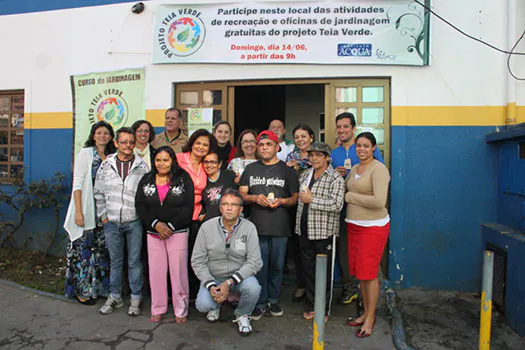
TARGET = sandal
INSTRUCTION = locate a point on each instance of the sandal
(86, 301)
(352, 322)
(155, 318)
(310, 315)
(361, 333)
(180, 320)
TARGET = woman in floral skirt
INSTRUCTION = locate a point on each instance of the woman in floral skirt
(87, 269)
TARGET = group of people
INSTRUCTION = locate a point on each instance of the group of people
(219, 218)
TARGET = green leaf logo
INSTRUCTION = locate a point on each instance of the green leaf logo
(110, 114)
(182, 36)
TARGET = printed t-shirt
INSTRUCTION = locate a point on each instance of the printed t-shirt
(278, 179)
(212, 194)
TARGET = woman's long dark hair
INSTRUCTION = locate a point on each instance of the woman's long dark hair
(137, 125)
(110, 147)
(306, 128)
(196, 134)
(369, 136)
(239, 152)
(219, 123)
(175, 169)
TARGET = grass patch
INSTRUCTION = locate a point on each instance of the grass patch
(33, 269)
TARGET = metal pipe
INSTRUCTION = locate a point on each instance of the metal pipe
(320, 301)
(486, 300)
(512, 15)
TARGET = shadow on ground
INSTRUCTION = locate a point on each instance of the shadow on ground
(441, 320)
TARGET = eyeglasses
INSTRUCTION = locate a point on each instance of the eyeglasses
(234, 205)
(145, 131)
(127, 142)
(210, 162)
(245, 142)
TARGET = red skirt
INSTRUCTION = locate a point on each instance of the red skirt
(365, 248)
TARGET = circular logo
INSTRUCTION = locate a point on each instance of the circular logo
(113, 110)
(186, 35)
(195, 115)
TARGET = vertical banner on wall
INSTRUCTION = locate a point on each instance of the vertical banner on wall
(116, 97)
(200, 118)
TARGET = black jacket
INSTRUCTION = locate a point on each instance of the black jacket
(177, 209)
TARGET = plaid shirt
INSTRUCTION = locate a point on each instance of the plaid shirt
(327, 201)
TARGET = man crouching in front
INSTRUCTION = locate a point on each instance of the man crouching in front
(226, 258)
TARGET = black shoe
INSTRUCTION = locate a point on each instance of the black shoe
(257, 314)
(275, 310)
(348, 296)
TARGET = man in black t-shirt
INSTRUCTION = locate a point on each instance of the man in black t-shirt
(270, 188)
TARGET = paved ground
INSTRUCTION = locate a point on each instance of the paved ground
(440, 320)
(30, 321)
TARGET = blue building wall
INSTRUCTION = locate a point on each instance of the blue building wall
(511, 184)
(443, 187)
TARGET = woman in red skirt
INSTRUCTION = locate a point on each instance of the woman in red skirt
(368, 225)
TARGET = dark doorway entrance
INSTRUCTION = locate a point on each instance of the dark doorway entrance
(256, 106)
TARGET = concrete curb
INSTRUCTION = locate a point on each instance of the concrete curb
(36, 291)
(398, 330)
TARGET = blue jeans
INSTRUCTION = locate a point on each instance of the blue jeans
(249, 289)
(115, 235)
(270, 277)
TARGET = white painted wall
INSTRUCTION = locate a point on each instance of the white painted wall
(44, 48)
(518, 62)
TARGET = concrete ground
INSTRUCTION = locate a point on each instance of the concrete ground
(31, 321)
(441, 320)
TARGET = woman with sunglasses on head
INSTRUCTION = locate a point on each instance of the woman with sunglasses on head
(368, 225)
(144, 135)
(87, 262)
(164, 203)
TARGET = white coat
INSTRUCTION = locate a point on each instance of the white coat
(81, 181)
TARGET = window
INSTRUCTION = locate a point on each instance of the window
(11, 135)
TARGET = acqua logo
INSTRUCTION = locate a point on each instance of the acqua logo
(113, 110)
(181, 33)
(359, 50)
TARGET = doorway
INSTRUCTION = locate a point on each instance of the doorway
(293, 104)
(316, 102)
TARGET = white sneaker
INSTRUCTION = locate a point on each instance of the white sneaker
(213, 315)
(134, 307)
(111, 305)
(245, 328)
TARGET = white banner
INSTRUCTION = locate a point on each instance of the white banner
(375, 32)
(200, 118)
